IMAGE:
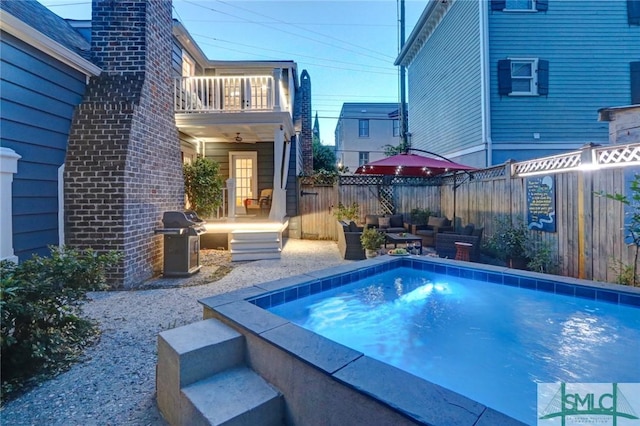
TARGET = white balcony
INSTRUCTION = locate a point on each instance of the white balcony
(231, 94)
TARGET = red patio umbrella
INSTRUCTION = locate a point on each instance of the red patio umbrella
(410, 165)
(406, 164)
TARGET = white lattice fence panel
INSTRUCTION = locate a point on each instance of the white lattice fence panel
(608, 156)
(568, 161)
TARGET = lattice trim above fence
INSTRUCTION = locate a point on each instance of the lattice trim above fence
(387, 180)
(590, 157)
(556, 163)
(613, 156)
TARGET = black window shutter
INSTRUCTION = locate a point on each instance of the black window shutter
(543, 77)
(635, 83)
(542, 5)
(498, 5)
(504, 77)
(633, 12)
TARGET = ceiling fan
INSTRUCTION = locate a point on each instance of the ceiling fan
(240, 139)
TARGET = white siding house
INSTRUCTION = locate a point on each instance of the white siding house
(363, 131)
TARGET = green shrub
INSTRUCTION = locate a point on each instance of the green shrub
(41, 330)
(347, 213)
(203, 186)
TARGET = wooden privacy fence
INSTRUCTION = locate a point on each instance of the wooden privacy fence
(589, 239)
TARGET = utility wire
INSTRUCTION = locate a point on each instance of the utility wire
(305, 29)
(287, 32)
(292, 54)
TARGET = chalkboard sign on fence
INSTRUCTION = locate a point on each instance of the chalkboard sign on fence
(541, 203)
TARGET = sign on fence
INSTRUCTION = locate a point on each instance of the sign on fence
(541, 203)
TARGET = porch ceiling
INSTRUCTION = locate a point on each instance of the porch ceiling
(224, 127)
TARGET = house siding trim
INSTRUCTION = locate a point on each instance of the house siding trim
(27, 34)
(8, 167)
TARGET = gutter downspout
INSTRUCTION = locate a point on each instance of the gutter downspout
(485, 82)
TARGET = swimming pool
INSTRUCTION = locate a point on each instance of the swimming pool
(417, 400)
(488, 342)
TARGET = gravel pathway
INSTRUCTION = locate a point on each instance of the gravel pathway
(115, 385)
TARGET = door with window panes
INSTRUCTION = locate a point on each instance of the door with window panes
(243, 168)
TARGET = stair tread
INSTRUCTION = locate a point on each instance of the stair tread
(229, 394)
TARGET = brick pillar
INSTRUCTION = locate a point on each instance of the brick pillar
(123, 166)
(306, 132)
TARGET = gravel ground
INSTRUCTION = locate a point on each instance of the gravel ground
(115, 385)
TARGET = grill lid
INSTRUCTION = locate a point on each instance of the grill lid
(181, 219)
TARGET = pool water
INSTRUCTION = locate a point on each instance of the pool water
(491, 343)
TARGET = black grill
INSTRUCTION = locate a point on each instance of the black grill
(181, 230)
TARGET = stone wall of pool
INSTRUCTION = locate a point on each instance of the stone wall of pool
(325, 383)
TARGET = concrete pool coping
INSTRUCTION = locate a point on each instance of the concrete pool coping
(275, 344)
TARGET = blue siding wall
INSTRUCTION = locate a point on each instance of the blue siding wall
(37, 98)
(589, 45)
(444, 84)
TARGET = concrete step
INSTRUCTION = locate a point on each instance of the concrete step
(255, 245)
(191, 353)
(254, 254)
(253, 235)
(236, 397)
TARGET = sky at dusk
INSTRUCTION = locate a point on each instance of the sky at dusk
(347, 47)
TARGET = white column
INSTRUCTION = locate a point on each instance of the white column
(8, 167)
(277, 76)
(278, 203)
(231, 198)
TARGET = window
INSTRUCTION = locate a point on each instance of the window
(188, 67)
(520, 5)
(363, 158)
(523, 77)
(363, 128)
(396, 127)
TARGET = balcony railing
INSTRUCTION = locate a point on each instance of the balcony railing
(230, 94)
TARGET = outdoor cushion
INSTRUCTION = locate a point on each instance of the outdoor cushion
(353, 227)
(438, 222)
(371, 220)
(384, 222)
(468, 230)
(396, 221)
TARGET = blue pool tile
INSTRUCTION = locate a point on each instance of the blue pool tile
(264, 302)
(585, 293)
(494, 278)
(336, 282)
(277, 298)
(291, 294)
(528, 283)
(607, 296)
(326, 284)
(466, 273)
(316, 287)
(547, 286)
(479, 276)
(569, 290)
(630, 299)
(453, 271)
(440, 269)
(304, 290)
(429, 267)
(511, 280)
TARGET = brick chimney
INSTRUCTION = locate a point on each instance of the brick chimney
(306, 132)
(123, 165)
